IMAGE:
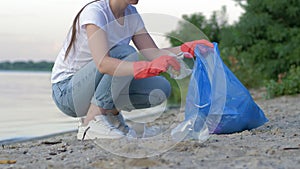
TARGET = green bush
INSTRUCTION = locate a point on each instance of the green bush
(264, 41)
(288, 85)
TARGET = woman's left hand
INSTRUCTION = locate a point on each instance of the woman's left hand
(190, 46)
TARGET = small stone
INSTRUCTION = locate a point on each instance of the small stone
(53, 153)
(63, 157)
(51, 142)
(62, 150)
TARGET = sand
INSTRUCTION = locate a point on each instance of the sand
(274, 145)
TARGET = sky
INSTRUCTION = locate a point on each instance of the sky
(35, 30)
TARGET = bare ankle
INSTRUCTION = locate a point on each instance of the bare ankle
(92, 112)
(95, 111)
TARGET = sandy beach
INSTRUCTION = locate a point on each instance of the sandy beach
(274, 145)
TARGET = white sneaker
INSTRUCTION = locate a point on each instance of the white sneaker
(99, 128)
(118, 122)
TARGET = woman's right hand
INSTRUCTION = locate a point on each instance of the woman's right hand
(145, 69)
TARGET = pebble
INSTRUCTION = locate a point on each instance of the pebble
(53, 153)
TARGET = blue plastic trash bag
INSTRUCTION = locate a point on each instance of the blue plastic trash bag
(217, 99)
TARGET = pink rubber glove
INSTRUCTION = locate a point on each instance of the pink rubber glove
(144, 69)
(190, 46)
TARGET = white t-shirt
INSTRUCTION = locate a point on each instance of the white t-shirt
(100, 14)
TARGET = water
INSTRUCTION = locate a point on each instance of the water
(26, 107)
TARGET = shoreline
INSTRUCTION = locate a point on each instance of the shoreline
(18, 140)
(274, 145)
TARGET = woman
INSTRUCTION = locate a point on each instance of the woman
(93, 72)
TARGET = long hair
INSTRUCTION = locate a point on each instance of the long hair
(74, 29)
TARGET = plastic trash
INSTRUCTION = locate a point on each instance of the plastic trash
(187, 130)
(184, 70)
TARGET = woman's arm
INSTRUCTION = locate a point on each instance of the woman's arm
(145, 44)
(141, 69)
(107, 65)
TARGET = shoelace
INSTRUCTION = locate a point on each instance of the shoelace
(121, 123)
(118, 119)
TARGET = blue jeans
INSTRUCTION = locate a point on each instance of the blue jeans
(74, 95)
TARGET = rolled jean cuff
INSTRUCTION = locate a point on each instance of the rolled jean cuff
(103, 104)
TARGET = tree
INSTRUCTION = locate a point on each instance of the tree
(197, 26)
(264, 43)
(261, 48)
